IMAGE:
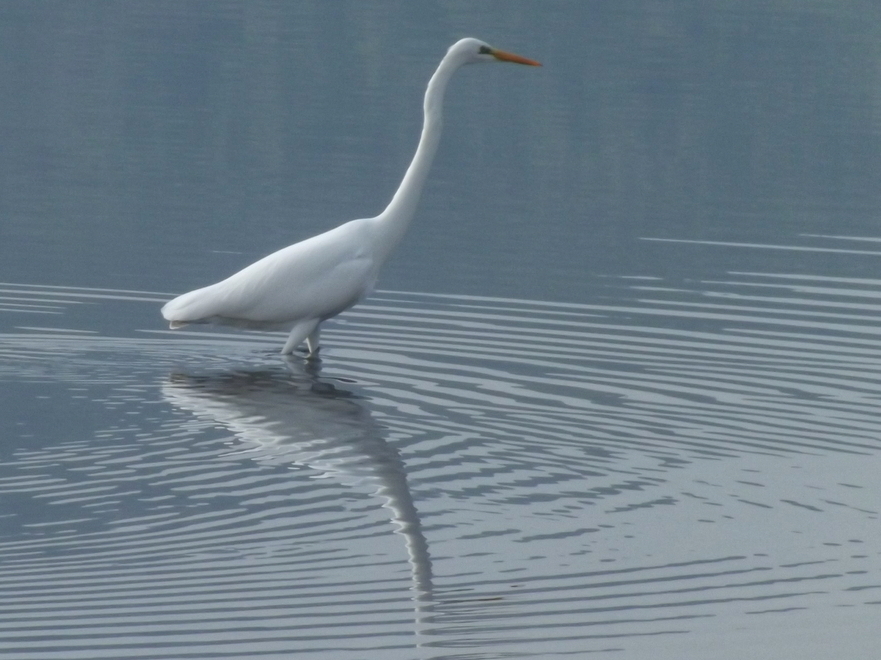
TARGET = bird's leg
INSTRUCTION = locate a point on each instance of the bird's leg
(298, 333)
(312, 342)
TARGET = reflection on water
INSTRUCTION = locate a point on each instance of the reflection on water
(309, 423)
(647, 472)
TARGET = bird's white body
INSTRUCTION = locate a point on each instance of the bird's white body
(294, 288)
(298, 287)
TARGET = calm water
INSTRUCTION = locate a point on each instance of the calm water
(618, 393)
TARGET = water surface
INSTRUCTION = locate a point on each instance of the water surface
(520, 476)
(617, 393)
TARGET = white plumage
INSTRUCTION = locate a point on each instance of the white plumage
(298, 287)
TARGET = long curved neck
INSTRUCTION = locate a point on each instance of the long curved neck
(395, 219)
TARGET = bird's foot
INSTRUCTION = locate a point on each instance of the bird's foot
(310, 354)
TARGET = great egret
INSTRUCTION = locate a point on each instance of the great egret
(298, 287)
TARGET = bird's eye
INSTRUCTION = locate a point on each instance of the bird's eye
(485, 50)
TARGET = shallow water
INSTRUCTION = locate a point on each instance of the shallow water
(461, 475)
(617, 394)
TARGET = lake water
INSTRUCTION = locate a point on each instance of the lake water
(616, 396)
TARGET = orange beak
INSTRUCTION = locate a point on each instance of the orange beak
(511, 57)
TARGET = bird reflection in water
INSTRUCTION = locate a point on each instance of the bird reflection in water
(297, 418)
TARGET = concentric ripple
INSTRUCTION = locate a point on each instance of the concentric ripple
(460, 477)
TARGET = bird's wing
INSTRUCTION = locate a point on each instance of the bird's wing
(316, 278)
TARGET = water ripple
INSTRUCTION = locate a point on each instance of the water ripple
(463, 477)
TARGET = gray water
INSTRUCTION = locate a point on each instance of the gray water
(616, 395)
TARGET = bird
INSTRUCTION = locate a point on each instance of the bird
(298, 287)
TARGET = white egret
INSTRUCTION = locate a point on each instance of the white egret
(298, 287)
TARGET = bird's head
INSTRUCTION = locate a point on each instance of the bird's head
(472, 51)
